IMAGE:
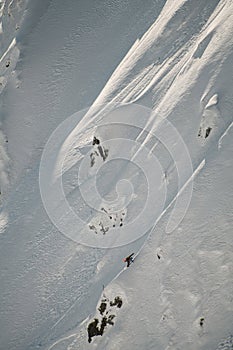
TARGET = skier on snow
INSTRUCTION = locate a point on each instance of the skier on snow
(129, 259)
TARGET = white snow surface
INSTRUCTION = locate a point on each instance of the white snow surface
(143, 65)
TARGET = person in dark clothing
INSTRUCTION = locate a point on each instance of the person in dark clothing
(129, 259)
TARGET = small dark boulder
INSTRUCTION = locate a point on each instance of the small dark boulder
(207, 132)
(110, 319)
(202, 321)
(102, 308)
(92, 329)
(95, 141)
(117, 302)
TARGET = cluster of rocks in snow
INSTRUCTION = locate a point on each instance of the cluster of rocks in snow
(98, 325)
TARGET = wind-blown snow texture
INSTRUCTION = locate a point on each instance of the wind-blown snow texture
(59, 57)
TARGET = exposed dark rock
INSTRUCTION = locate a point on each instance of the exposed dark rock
(102, 308)
(92, 156)
(117, 302)
(92, 329)
(97, 326)
(95, 141)
(103, 325)
(110, 319)
(103, 152)
(202, 321)
(207, 132)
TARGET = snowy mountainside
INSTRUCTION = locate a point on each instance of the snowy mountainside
(11, 17)
(109, 142)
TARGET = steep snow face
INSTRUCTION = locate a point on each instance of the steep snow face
(11, 17)
(173, 298)
(16, 19)
(157, 135)
(67, 53)
(178, 294)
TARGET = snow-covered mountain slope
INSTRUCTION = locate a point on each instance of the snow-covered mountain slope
(146, 169)
(182, 278)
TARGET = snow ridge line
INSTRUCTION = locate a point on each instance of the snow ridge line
(12, 44)
(223, 135)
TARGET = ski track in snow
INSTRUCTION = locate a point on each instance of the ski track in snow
(224, 134)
